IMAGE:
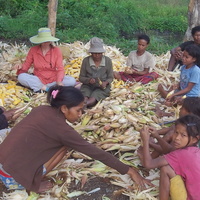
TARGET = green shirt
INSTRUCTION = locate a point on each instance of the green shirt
(88, 70)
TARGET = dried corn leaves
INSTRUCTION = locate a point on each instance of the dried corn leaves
(113, 124)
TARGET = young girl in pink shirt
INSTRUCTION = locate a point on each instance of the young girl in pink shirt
(179, 169)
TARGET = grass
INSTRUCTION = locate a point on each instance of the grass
(117, 22)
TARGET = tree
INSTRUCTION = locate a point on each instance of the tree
(193, 17)
(52, 9)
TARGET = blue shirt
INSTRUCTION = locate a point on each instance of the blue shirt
(191, 75)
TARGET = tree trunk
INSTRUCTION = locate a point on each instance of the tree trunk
(193, 18)
(52, 9)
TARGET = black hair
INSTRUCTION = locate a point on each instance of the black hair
(194, 51)
(192, 105)
(192, 124)
(195, 29)
(144, 37)
(64, 95)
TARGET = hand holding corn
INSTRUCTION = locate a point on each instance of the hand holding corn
(104, 84)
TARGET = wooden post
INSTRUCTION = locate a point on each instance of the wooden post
(193, 18)
(52, 10)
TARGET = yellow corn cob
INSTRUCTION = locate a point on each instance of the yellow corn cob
(170, 93)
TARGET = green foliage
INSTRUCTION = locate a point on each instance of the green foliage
(171, 23)
(117, 22)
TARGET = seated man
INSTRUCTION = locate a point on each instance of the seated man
(177, 52)
(139, 64)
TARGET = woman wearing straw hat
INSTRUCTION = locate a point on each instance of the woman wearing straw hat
(96, 74)
(47, 61)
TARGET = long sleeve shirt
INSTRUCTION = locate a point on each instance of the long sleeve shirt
(48, 68)
(88, 70)
(36, 138)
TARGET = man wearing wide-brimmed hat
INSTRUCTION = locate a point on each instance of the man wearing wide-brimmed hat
(96, 73)
(47, 63)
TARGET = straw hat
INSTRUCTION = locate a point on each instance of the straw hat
(44, 35)
(96, 45)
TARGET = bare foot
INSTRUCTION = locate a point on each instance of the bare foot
(161, 113)
(158, 112)
(44, 186)
(169, 103)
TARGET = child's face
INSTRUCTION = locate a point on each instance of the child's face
(142, 45)
(187, 59)
(197, 37)
(74, 113)
(180, 136)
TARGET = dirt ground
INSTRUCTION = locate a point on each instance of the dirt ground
(103, 185)
(106, 189)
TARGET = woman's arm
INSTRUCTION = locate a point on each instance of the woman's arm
(109, 70)
(83, 77)
(28, 62)
(75, 141)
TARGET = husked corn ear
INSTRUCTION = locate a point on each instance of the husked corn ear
(86, 119)
(12, 95)
(170, 93)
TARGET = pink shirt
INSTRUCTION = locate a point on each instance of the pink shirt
(48, 68)
(186, 163)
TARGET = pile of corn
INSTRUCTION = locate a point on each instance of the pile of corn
(113, 124)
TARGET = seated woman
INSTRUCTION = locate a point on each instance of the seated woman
(41, 140)
(139, 63)
(47, 61)
(96, 74)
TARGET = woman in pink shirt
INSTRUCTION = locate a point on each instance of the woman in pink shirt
(179, 169)
(47, 62)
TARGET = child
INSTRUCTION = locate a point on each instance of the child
(191, 105)
(39, 141)
(183, 162)
(139, 64)
(189, 78)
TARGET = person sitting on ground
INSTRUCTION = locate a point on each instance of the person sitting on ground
(96, 74)
(179, 169)
(191, 105)
(189, 84)
(139, 64)
(40, 141)
(177, 52)
(47, 62)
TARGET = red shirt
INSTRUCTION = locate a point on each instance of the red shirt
(48, 68)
